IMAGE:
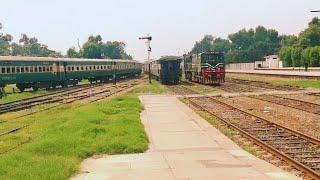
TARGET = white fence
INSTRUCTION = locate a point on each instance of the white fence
(240, 66)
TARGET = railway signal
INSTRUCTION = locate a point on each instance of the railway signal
(148, 38)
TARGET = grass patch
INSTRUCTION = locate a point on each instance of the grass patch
(278, 81)
(58, 140)
(13, 94)
(154, 88)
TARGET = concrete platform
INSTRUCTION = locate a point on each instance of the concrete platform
(182, 146)
(283, 73)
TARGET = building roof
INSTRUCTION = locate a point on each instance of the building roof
(51, 59)
(271, 56)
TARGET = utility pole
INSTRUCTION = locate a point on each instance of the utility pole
(148, 38)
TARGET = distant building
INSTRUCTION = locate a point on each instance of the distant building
(270, 62)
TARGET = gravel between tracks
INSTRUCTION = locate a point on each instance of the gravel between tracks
(298, 120)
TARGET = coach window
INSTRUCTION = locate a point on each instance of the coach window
(31, 69)
(44, 69)
(8, 69)
(72, 68)
(98, 67)
(104, 67)
(35, 69)
(81, 68)
(27, 69)
(40, 69)
(48, 70)
(22, 69)
(13, 69)
(69, 68)
(18, 69)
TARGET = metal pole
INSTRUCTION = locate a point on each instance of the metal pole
(149, 66)
(148, 38)
(114, 73)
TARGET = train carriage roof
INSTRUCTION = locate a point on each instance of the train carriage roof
(165, 58)
(51, 59)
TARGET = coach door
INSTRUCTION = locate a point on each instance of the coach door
(59, 70)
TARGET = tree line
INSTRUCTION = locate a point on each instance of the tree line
(93, 48)
(254, 44)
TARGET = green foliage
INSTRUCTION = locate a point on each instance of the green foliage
(154, 88)
(62, 137)
(26, 47)
(5, 40)
(205, 44)
(285, 56)
(72, 53)
(254, 44)
(243, 46)
(95, 48)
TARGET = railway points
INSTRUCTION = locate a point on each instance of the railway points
(181, 147)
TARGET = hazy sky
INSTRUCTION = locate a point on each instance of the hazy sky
(174, 24)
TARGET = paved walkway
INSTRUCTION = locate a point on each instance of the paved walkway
(182, 146)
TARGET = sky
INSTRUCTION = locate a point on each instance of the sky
(175, 25)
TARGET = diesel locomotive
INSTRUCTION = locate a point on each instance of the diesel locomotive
(205, 68)
(166, 69)
(46, 72)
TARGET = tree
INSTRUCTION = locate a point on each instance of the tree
(285, 56)
(5, 40)
(311, 35)
(95, 48)
(221, 45)
(72, 53)
(296, 56)
(31, 47)
(204, 45)
(314, 56)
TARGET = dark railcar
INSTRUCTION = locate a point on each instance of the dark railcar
(166, 69)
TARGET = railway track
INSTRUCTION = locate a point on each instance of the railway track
(260, 84)
(289, 102)
(56, 97)
(91, 97)
(181, 90)
(236, 87)
(299, 150)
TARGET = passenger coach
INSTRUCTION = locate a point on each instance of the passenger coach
(46, 72)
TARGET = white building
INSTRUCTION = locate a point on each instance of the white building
(271, 62)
